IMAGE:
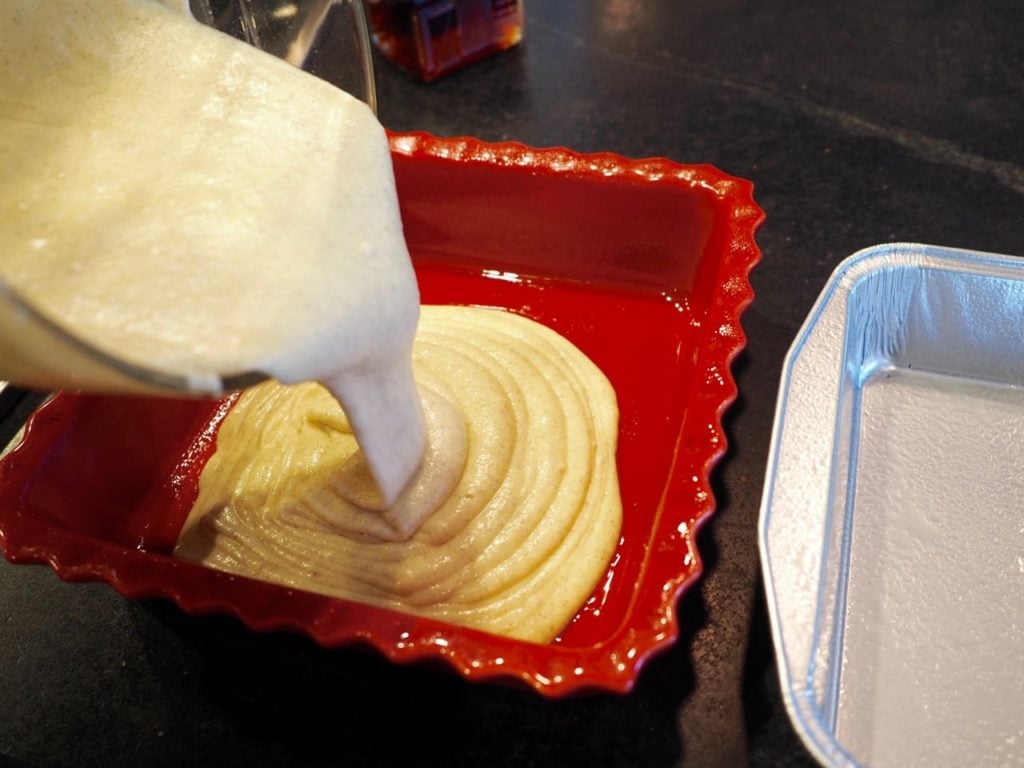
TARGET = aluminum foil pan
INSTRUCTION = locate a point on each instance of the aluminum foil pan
(892, 523)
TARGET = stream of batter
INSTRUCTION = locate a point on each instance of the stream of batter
(195, 205)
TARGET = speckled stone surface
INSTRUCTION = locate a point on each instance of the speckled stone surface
(865, 123)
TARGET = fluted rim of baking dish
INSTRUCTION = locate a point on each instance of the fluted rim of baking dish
(669, 569)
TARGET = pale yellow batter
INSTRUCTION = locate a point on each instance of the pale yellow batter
(189, 203)
(518, 496)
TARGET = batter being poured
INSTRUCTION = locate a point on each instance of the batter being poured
(194, 205)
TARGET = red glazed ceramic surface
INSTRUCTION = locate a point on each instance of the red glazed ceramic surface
(643, 264)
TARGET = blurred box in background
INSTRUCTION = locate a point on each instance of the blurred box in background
(431, 38)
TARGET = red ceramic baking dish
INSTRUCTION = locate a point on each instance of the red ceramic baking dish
(643, 264)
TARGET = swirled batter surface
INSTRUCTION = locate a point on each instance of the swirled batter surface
(508, 524)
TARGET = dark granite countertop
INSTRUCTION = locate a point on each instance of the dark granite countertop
(859, 123)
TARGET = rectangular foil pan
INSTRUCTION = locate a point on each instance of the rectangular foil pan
(892, 523)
